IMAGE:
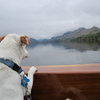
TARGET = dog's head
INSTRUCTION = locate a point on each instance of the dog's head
(18, 42)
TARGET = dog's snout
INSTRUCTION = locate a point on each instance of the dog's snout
(26, 56)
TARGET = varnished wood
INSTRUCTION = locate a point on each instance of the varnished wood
(78, 82)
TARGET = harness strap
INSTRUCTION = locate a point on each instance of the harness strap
(19, 70)
(11, 65)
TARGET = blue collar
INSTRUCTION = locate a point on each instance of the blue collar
(11, 64)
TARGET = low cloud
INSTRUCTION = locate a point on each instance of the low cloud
(46, 18)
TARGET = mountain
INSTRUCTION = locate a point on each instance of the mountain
(61, 36)
(83, 31)
(69, 36)
(77, 33)
(33, 43)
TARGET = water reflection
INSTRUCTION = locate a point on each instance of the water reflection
(82, 47)
(62, 54)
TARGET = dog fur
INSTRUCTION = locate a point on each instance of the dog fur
(13, 47)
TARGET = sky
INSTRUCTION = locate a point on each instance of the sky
(46, 18)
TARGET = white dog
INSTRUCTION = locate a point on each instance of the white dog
(12, 49)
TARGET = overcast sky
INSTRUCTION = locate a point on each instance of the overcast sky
(46, 18)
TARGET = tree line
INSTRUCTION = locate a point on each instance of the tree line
(89, 38)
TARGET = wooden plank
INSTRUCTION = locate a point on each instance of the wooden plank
(77, 82)
(69, 69)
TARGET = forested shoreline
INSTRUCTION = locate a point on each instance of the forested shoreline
(89, 38)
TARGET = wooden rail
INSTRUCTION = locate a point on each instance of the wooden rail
(60, 82)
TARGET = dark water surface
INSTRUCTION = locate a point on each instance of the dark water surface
(62, 54)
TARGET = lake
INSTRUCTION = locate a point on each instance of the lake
(62, 54)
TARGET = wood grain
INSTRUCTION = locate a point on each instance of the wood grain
(77, 82)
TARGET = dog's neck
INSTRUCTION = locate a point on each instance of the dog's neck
(10, 50)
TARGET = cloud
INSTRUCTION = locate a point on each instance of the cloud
(46, 18)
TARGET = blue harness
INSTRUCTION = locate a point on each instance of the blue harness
(16, 68)
(11, 64)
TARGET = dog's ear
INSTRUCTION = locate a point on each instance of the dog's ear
(24, 40)
(1, 38)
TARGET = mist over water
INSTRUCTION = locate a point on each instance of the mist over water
(62, 54)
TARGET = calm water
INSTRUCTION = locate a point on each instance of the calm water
(62, 54)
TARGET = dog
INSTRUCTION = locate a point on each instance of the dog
(12, 52)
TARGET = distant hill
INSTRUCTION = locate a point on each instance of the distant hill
(80, 34)
(88, 38)
(77, 33)
(33, 42)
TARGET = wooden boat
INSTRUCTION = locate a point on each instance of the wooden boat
(67, 82)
